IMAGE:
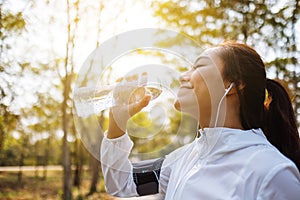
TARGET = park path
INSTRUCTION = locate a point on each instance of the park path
(60, 168)
(30, 168)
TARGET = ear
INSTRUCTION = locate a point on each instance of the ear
(235, 88)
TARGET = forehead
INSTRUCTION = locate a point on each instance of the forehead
(210, 56)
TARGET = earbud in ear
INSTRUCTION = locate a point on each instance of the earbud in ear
(218, 110)
(229, 88)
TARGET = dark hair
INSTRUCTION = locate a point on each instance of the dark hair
(244, 66)
(280, 123)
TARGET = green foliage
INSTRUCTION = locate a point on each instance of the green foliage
(268, 26)
(213, 21)
(10, 154)
(12, 23)
(33, 187)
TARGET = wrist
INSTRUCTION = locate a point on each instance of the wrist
(114, 131)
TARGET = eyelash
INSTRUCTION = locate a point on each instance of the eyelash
(197, 66)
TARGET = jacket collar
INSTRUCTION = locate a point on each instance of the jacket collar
(222, 139)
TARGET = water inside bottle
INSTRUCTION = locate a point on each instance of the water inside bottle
(90, 101)
(153, 91)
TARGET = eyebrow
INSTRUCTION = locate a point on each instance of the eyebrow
(200, 58)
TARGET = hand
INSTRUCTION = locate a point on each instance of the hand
(130, 100)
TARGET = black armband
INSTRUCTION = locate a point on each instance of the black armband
(146, 176)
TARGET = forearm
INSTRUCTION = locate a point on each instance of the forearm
(122, 178)
(114, 130)
(116, 167)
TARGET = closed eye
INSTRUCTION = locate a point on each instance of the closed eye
(197, 66)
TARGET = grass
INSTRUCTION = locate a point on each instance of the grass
(35, 188)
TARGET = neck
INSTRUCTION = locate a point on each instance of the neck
(229, 115)
(232, 114)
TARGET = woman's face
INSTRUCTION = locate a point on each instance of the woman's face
(202, 87)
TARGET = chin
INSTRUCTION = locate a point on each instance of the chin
(189, 110)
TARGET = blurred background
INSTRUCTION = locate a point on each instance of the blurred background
(44, 43)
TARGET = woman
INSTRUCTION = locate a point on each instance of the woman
(232, 159)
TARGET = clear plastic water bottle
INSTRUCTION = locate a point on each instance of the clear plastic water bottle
(93, 100)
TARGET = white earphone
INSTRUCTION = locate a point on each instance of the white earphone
(219, 105)
(229, 88)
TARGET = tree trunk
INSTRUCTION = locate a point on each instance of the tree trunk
(46, 158)
(1, 136)
(79, 164)
(95, 163)
(95, 168)
(66, 161)
(67, 81)
(67, 183)
(21, 161)
(36, 172)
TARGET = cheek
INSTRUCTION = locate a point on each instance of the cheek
(208, 83)
(203, 89)
(203, 96)
(200, 87)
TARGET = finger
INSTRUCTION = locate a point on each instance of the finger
(138, 106)
(137, 95)
(143, 79)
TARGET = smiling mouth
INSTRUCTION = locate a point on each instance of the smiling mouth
(187, 85)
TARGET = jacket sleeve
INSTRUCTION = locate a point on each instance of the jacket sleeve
(116, 167)
(282, 182)
(124, 179)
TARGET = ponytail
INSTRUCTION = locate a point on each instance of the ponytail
(280, 125)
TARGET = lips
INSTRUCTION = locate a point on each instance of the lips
(187, 85)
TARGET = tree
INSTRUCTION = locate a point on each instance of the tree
(67, 80)
(295, 57)
(44, 128)
(11, 25)
(94, 163)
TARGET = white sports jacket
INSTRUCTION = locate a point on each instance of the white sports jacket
(223, 163)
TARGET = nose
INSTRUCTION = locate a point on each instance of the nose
(185, 77)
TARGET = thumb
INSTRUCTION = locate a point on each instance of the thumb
(138, 106)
